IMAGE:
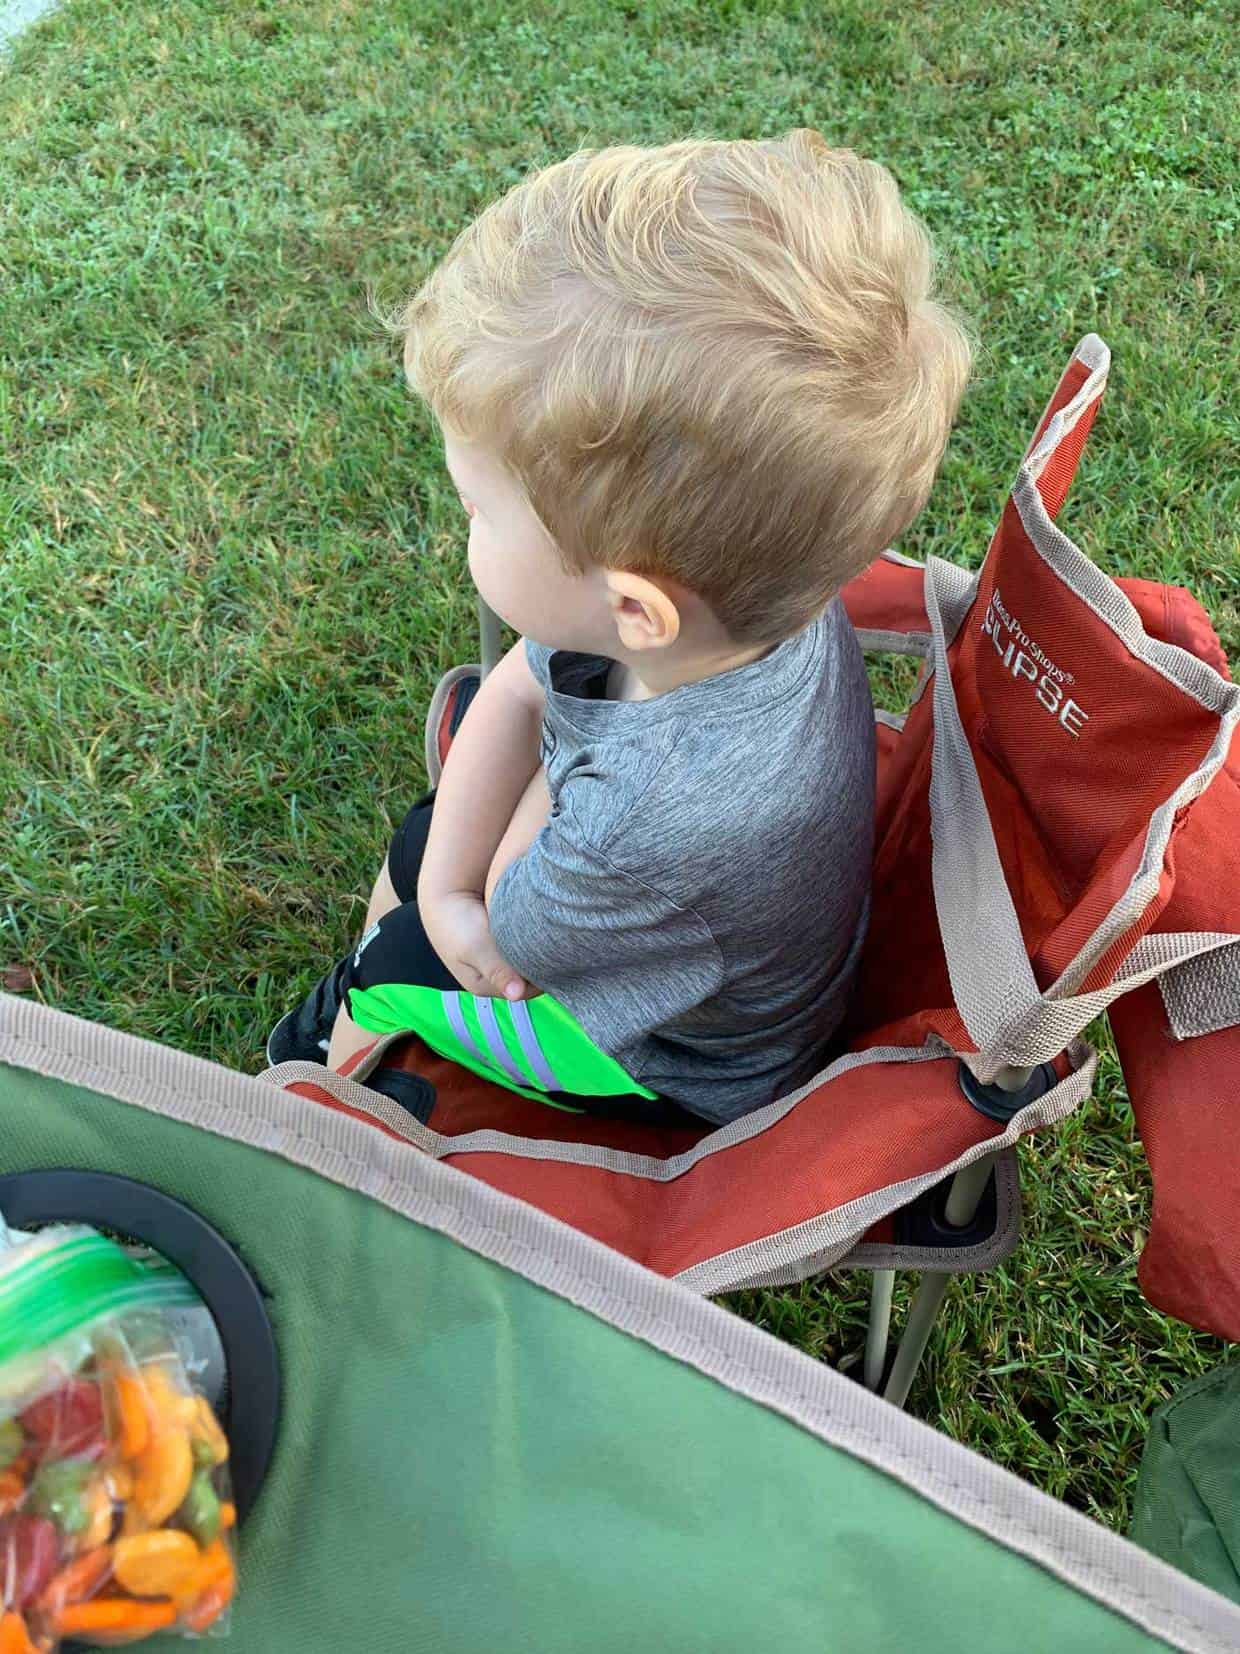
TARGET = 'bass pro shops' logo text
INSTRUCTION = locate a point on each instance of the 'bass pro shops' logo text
(1026, 663)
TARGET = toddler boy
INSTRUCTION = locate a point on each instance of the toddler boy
(686, 394)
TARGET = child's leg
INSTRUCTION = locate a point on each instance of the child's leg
(396, 950)
(383, 898)
(347, 1037)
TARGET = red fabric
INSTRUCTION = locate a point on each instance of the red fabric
(443, 736)
(882, 1233)
(888, 741)
(470, 1103)
(904, 971)
(823, 1153)
(1187, 1106)
(1058, 472)
(1076, 743)
(1174, 615)
(1186, 1093)
(887, 597)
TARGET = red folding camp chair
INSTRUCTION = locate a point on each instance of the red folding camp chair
(1058, 832)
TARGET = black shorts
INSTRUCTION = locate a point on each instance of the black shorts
(407, 848)
(398, 949)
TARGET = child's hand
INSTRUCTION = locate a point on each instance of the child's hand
(460, 933)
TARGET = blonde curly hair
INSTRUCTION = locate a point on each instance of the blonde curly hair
(715, 361)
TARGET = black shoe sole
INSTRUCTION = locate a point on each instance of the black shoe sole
(283, 1030)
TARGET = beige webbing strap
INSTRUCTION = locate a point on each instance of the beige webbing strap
(993, 984)
(1044, 1029)
(1203, 996)
(1008, 1018)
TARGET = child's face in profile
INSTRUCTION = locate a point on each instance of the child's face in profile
(514, 562)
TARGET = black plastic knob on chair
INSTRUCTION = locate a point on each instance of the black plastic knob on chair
(996, 1103)
(211, 1266)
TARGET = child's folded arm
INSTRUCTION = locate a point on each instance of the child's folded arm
(492, 759)
(493, 756)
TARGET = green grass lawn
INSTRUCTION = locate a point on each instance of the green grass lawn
(232, 564)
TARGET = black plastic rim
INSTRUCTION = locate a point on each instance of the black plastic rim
(996, 1103)
(923, 1222)
(212, 1268)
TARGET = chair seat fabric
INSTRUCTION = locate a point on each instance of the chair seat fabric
(1058, 833)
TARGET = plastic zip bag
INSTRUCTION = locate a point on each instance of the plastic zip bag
(115, 1507)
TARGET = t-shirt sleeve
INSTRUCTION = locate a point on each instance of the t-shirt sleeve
(621, 956)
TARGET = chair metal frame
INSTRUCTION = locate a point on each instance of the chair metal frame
(963, 1198)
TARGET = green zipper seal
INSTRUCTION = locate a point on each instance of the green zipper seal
(61, 1289)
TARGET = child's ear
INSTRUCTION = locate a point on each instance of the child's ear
(645, 609)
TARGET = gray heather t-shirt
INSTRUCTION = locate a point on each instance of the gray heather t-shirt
(698, 898)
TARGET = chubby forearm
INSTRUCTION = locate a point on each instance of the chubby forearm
(488, 770)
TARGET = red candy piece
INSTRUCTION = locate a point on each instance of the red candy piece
(29, 1554)
(69, 1421)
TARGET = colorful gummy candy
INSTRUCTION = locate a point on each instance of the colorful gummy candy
(114, 1511)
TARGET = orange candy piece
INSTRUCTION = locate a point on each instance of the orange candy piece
(162, 1474)
(163, 1469)
(159, 1564)
(216, 1584)
(170, 1404)
(209, 1606)
(134, 1428)
(11, 1489)
(217, 1563)
(77, 1582)
(14, 1638)
(211, 1588)
(114, 1615)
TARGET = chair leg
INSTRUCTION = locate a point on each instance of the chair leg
(916, 1336)
(880, 1324)
(966, 1191)
(491, 637)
